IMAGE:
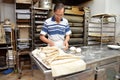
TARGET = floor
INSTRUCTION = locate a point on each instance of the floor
(26, 75)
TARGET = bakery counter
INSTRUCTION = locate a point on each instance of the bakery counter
(96, 56)
(96, 61)
(105, 61)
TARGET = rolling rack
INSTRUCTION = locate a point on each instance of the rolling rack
(23, 34)
(7, 59)
(78, 21)
(102, 29)
(39, 15)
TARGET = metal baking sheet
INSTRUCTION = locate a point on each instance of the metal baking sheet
(40, 60)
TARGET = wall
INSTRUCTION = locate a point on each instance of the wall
(103, 6)
(7, 11)
(96, 6)
(113, 8)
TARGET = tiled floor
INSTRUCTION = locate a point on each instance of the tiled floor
(26, 75)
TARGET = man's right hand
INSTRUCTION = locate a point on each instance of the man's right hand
(51, 43)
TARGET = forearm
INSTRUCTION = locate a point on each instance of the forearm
(67, 38)
(44, 39)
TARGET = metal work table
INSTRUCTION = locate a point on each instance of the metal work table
(100, 56)
(94, 57)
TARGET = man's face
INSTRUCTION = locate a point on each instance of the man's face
(59, 14)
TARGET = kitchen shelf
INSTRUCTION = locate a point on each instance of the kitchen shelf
(23, 35)
(6, 47)
(102, 29)
(78, 21)
(39, 8)
(23, 22)
(39, 15)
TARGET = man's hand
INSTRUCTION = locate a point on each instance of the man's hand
(67, 38)
(51, 43)
(44, 39)
(66, 45)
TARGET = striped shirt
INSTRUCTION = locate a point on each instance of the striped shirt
(55, 31)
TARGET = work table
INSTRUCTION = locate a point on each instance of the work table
(95, 58)
(97, 55)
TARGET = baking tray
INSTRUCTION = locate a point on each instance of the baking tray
(40, 60)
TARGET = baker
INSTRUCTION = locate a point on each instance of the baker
(56, 28)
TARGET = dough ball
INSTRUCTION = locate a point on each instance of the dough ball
(78, 49)
(72, 48)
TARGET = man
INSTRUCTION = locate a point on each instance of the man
(57, 29)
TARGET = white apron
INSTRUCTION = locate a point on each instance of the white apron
(59, 44)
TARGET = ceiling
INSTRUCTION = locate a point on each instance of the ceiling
(70, 2)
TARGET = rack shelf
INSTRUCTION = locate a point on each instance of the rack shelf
(23, 33)
(78, 21)
(6, 47)
(39, 15)
(102, 29)
(23, 21)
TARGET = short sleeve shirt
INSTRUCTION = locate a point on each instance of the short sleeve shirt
(55, 31)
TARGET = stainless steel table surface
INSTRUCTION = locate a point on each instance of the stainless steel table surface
(96, 56)
(93, 56)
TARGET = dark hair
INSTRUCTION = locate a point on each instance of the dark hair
(58, 6)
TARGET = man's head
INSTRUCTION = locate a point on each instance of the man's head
(59, 11)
